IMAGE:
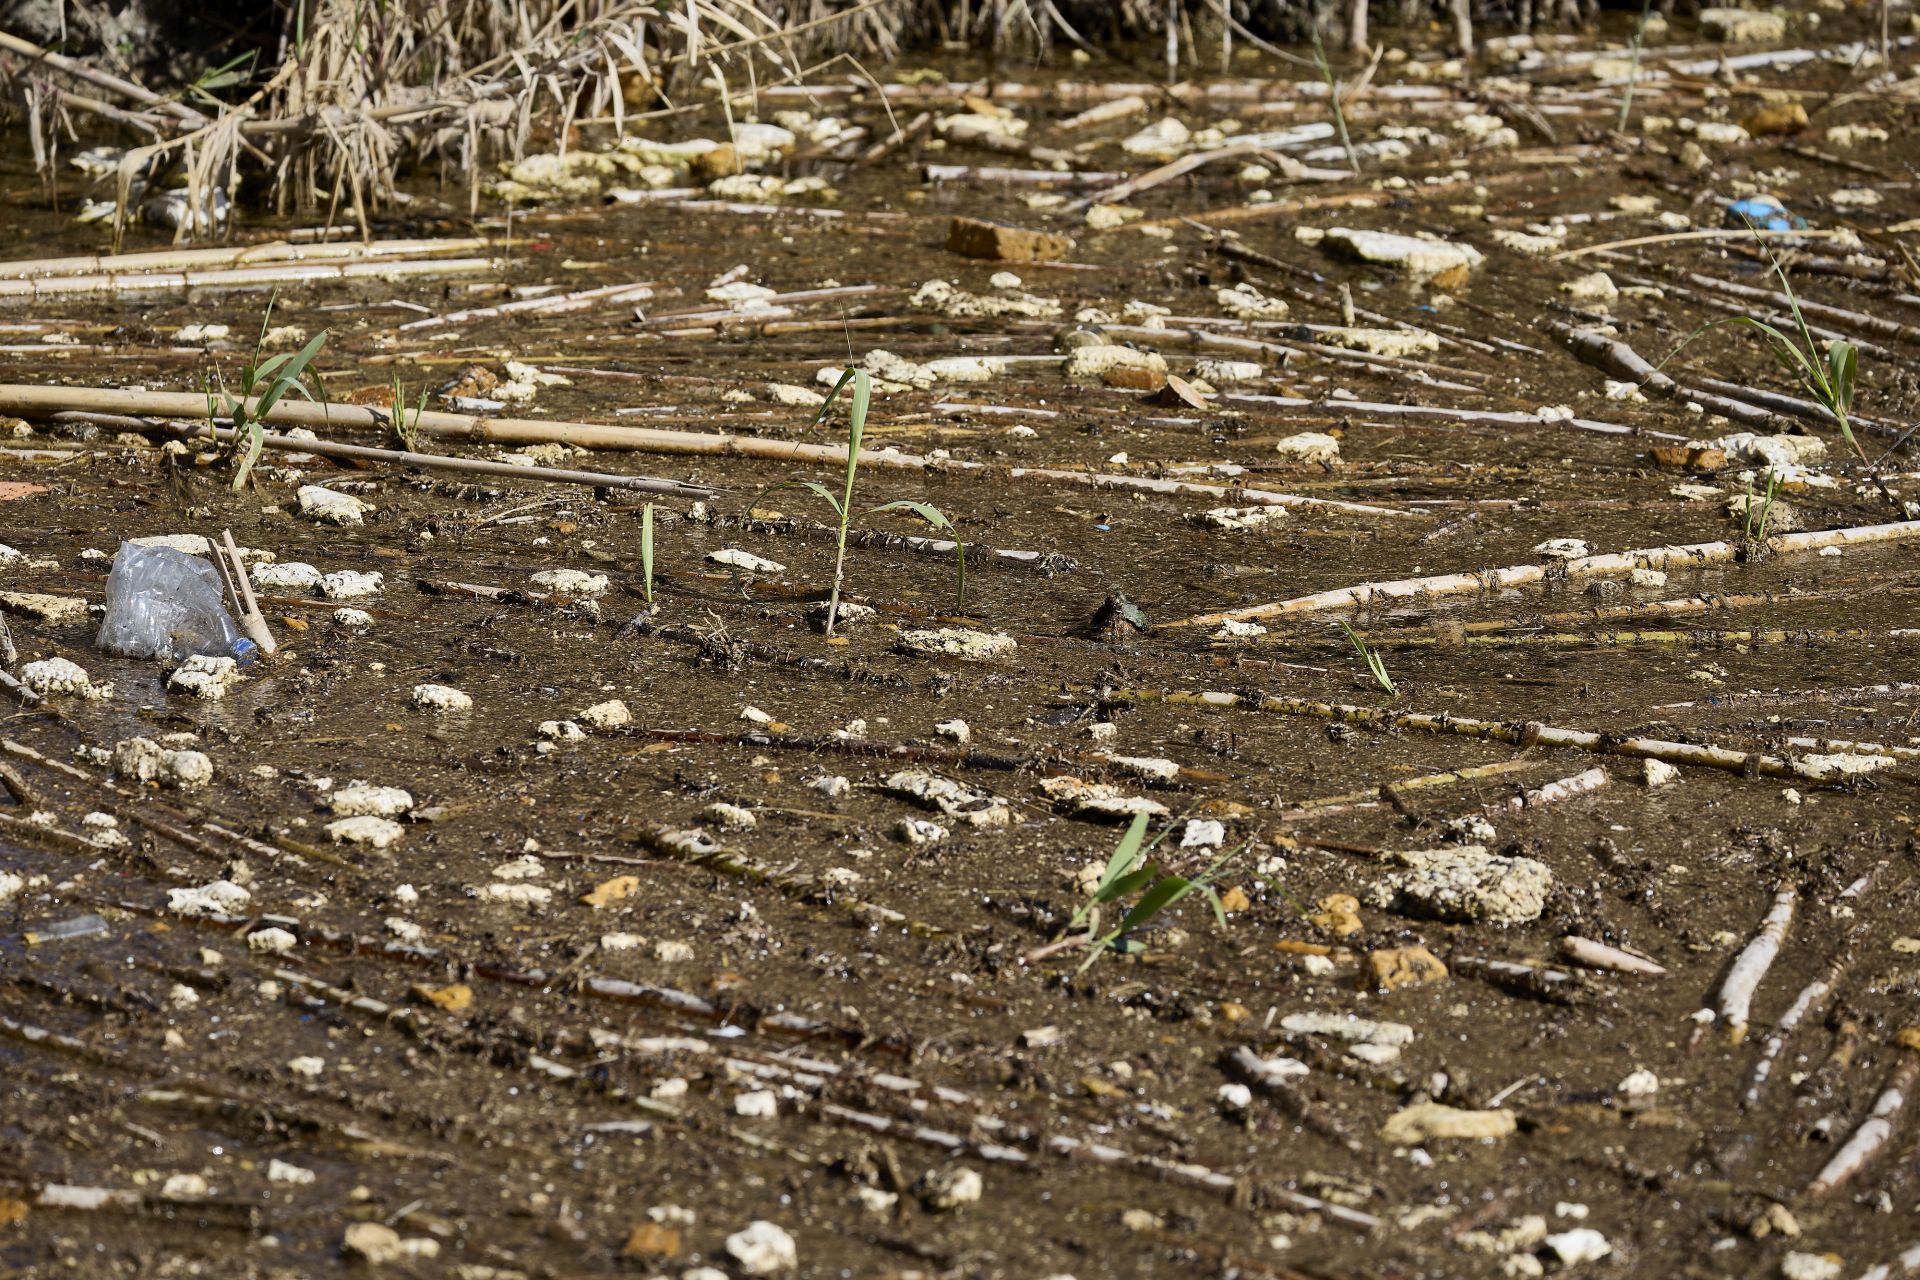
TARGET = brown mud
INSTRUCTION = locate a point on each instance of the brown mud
(522, 1084)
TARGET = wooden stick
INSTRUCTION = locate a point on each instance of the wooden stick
(276, 251)
(1610, 355)
(1811, 1001)
(1614, 564)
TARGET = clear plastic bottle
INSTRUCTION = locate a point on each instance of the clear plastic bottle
(169, 605)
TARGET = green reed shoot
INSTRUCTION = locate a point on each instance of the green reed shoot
(862, 399)
(1757, 514)
(1373, 661)
(1828, 372)
(1124, 876)
(263, 382)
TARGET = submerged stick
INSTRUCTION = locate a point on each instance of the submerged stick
(1811, 1002)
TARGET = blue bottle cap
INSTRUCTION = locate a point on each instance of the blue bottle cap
(244, 651)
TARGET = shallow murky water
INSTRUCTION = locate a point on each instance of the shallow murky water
(457, 1046)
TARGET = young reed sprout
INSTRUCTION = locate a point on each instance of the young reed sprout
(263, 382)
(1124, 876)
(1373, 661)
(842, 504)
(1827, 371)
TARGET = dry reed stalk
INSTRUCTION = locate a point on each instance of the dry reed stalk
(113, 264)
(1580, 784)
(1876, 1130)
(1369, 799)
(1811, 1002)
(262, 277)
(1598, 955)
(1614, 564)
(554, 304)
(1672, 237)
(1750, 967)
(30, 401)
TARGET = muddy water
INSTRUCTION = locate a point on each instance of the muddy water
(555, 1088)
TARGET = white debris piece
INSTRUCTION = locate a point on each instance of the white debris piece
(272, 941)
(1582, 1244)
(295, 575)
(522, 895)
(440, 697)
(367, 829)
(919, 831)
(956, 303)
(1220, 372)
(953, 799)
(1203, 833)
(53, 676)
(205, 677)
(1162, 140)
(1466, 883)
(326, 506)
(561, 731)
(290, 1174)
(1812, 1266)
(357, 619)
(955, 730)
(611, 714)
(571, 582)
(361, 800)
(1658, 773)
(958, 642)
(1309, 447)
(145, 760)
(219, 898)
(745, 561)
(1563, 549)
(1091, 362)
(1639, 1084)
(757, 1104)
(1244, 302)
(1098, 799)
(1396, 343)
(944, 1190)
(1597, 287)
(1742, 26)
(763, 1249)
(1235, 519)
(1425, 260)
(351, 584)
(729, 817)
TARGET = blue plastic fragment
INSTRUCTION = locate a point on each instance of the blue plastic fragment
(1764, 212)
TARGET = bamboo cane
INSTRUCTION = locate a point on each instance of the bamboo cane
(239, 277)
(1613, 564)
(41, 402)
(276, 251)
